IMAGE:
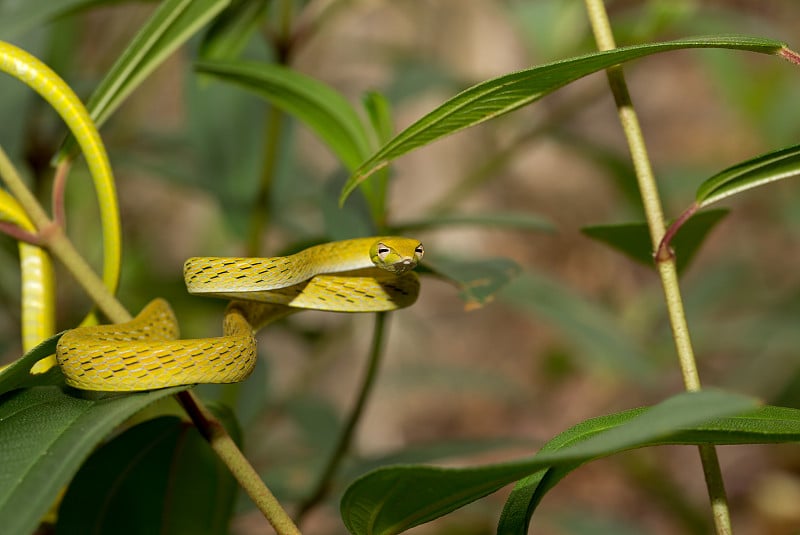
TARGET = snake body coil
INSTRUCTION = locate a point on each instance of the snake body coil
(359, 275)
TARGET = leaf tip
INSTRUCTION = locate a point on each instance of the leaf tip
(361, 174)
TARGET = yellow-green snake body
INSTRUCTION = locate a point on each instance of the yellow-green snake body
(359, 275)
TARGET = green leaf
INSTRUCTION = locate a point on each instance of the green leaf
(393, 499)
(769, 167)
(171, 25)
(230, 32)
(44, 437)
(766, 425)
(501, 95)
(591, 328)
(323, 110)
(478, 280)
(516, 220)
(17, 18)
(166, 468)
(17, 374)
(379, 112)
(633, 239)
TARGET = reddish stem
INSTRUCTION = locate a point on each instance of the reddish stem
(664, 251)
(789, 55)
(19, 233)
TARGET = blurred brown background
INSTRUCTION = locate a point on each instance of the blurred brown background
(186, 155)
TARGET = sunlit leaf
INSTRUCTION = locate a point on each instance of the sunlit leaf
(230, 32)
(44, 437)
(495, 97)
(170, 26)
(764, 169)
(393, 499)
(767, 425)
(633, 239)
(318, 106)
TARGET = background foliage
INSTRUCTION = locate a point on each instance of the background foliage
(580, 332)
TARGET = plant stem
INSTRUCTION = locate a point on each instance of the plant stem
(260, 215)
(226, 449)
(666, 266)
(52, 236)
(323, 485)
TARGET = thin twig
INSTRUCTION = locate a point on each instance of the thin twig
(225, 448)
(323, 485)
(210, 427)
(19, 233)
(666, 267)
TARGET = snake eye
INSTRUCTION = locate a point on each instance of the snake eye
(383, 251)
(419, 251)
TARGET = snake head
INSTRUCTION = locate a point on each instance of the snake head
(396, 254)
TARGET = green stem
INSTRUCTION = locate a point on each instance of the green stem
(323, 485)
(52, 236)
(260, 216)
(226, 449)
(212, 429)
(666, 266)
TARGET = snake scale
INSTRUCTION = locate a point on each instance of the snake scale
(358, 275)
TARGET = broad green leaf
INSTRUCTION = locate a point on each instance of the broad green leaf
(766, 425)
(393, 499)
(516, 220)
(45, 435)
(164, 467)
(317, 105)
(590, 328)
(424, 453)
(230, 32)
(633, 239)
(477, 280)
(170, 26)
(501, 95)
(770, 167)
(17, 374)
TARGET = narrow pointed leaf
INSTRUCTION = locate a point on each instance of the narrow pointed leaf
(17, 374)
(501, 95)
(766, 425)
(230, 32)
(318, 106)
(170, 26)
(764, 169)
(379, 112)
(633, 239)
(393, 499)
(45, 435)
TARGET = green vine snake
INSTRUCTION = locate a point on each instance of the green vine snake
(358, 275)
